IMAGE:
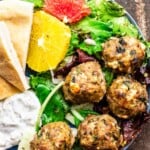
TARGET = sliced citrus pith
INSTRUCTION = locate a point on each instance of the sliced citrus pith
(49, 42)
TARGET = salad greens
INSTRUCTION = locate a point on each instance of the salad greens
(111, 12)
(95, 30)
(122, 27)
(103, 8)
(78, 113)
(107, 19)
(89, 34)
(54, 107)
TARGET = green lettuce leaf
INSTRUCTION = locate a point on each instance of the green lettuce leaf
(56, 108)
(122, 27)
(74, 42)
(112, 12)
(102, 8)
(90, 28)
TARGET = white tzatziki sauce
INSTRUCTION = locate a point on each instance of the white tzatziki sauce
(18, 113)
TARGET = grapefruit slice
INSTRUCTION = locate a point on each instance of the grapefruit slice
(49, 42)
(69, 11)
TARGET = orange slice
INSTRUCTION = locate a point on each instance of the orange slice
(49, 42)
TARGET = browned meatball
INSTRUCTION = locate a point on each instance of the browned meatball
(53, 136)
(127, 97)
(123, 54)
(99, 132)
(85, 83)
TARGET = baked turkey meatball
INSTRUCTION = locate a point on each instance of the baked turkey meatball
(127, 97)
(123, 54)
(99, 132)
(85, 83)
(53, 136)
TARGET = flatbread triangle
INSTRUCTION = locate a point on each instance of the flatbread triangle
(10, 67)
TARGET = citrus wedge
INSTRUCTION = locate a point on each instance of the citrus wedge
(49, 42)
(69, 11)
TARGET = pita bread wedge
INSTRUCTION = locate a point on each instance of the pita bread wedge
(10, 67)
(18, 15)
(6, 89)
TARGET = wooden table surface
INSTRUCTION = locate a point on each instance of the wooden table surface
(140, 11)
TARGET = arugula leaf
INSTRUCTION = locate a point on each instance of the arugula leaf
(109, 75)
(37, 3)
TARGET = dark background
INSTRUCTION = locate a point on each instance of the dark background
(140, 11)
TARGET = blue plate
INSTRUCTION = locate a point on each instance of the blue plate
(13, 148)
(140, 33)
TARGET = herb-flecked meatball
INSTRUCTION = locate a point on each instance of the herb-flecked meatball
(53, 136)
(99, 132)
(85, 83)
(127, 97)
(123, 54)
